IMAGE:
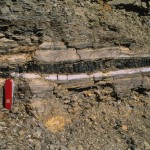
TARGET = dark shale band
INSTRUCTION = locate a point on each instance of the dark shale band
(88, 66)
(75, 67)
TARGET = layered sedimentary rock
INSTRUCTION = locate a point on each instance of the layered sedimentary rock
(74, 61)
(41, 68)
(73, 69)
(76, 44)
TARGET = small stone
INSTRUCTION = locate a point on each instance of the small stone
(1, 129)
(47, 45)
(15, 110)
(118, 140)
(34, 39)
(21, 132)
(147, 145)
(72, 148)
(82, 4)
(64, 148)
(15, 130)
(80, 147)
(30, 140)
(59, 46)
(52, 147)
(124, 127)
(47, 38)
(2, 123)
(38, 146)
(5, 10)
(29, 136)
(37, 134)
(2, 35)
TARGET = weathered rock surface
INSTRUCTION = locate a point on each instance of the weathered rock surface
(81, 71)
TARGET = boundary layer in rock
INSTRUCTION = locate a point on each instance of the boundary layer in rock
(93, 76)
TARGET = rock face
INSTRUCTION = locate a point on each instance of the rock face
(77, 24)
(61, 41)
(81, 71)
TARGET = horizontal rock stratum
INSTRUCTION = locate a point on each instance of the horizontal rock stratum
(118, 67)
(92, 76)
(73, 61)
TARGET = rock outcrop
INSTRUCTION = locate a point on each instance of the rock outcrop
(81, 72)
(67, 42)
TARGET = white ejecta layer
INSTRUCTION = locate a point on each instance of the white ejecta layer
(97, 75)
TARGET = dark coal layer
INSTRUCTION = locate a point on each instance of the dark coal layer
(80, 66)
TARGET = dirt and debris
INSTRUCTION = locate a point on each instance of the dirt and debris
(78, 119)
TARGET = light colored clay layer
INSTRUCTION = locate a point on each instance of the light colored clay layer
(96, 75)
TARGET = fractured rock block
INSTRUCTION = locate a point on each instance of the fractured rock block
(53, 46)
(123, 87)
(38, 104)
(136, 82)
(146, 82)
(40, 87)
(54, 56)
(78, 83)
(46, 46)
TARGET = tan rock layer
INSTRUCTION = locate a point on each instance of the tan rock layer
(47, 56)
